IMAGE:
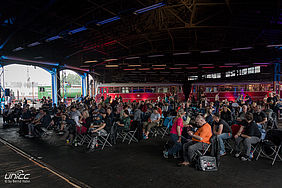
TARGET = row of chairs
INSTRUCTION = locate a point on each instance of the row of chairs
(269, 147)
(103, 139)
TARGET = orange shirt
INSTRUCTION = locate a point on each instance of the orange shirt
(204, 132)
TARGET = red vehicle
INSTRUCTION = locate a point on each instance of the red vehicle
(139, 91)
(230, 91)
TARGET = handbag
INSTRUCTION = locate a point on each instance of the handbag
(206, 163)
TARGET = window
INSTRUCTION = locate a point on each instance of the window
(150, 90)
(251, 70)
(193, 78)
(218, 75)
(244, 71)
(111, 90)
(138, 90)
(41, 89)
(126, 89)
(116, 90)
(257, 69)
(165, 90)
(160, 90)
(103, 90)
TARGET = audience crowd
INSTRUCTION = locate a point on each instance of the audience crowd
(193, 123)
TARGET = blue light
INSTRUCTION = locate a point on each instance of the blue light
(108, 20)
(53, 38)
(155, 6)
(33, 44)
(78, 30)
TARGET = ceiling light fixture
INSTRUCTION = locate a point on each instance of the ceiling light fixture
(182, 53)
(108, 20)
(159, 65)
(93, 61)
(158, 5)
(53, 38)
(107, 60)
(209, 51)
(18, 49)
(128, 58)
(273, 45)
(77, 30)
(159, 55)
(134, 65)
(244, 48)
(33, 44)
(111, 66)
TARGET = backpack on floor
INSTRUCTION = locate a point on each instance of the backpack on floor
(206, 163)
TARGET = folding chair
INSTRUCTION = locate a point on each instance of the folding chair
(80, 133)
(166, 125)
(158, 129)
(228, 146)
(130, 135)
(271, 146)
(103, 140)
(204, 151)
(93, 143)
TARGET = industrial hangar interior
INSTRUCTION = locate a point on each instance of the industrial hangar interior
(178, 59)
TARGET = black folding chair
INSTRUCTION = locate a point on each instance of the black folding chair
(271, 146)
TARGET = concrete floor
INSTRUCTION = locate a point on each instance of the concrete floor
(141, 165)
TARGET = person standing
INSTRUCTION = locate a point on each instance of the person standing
(175, 135)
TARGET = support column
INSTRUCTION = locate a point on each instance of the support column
(87, 85)
(59, 97)
(276, 80)
(83, 84)
(54, 85)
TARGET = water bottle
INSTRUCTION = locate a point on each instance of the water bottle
(251, 154)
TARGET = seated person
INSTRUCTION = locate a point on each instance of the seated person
(249, 134)
(200, 140)
(209, 116)
(226, 115)
(124, 123)
(99, 125)
(242, 114)
(109, 119)
(260, 116)
(37, 121)
(222, 130)
(154, 121)
(8, 115)
(61, 122)
(25, 119)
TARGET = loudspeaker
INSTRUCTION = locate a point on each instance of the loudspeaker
(7, 92)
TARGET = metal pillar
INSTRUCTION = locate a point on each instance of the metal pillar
(83, 84)
(54, 85)
(276, 80)
(59, 97)
(87, 85)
